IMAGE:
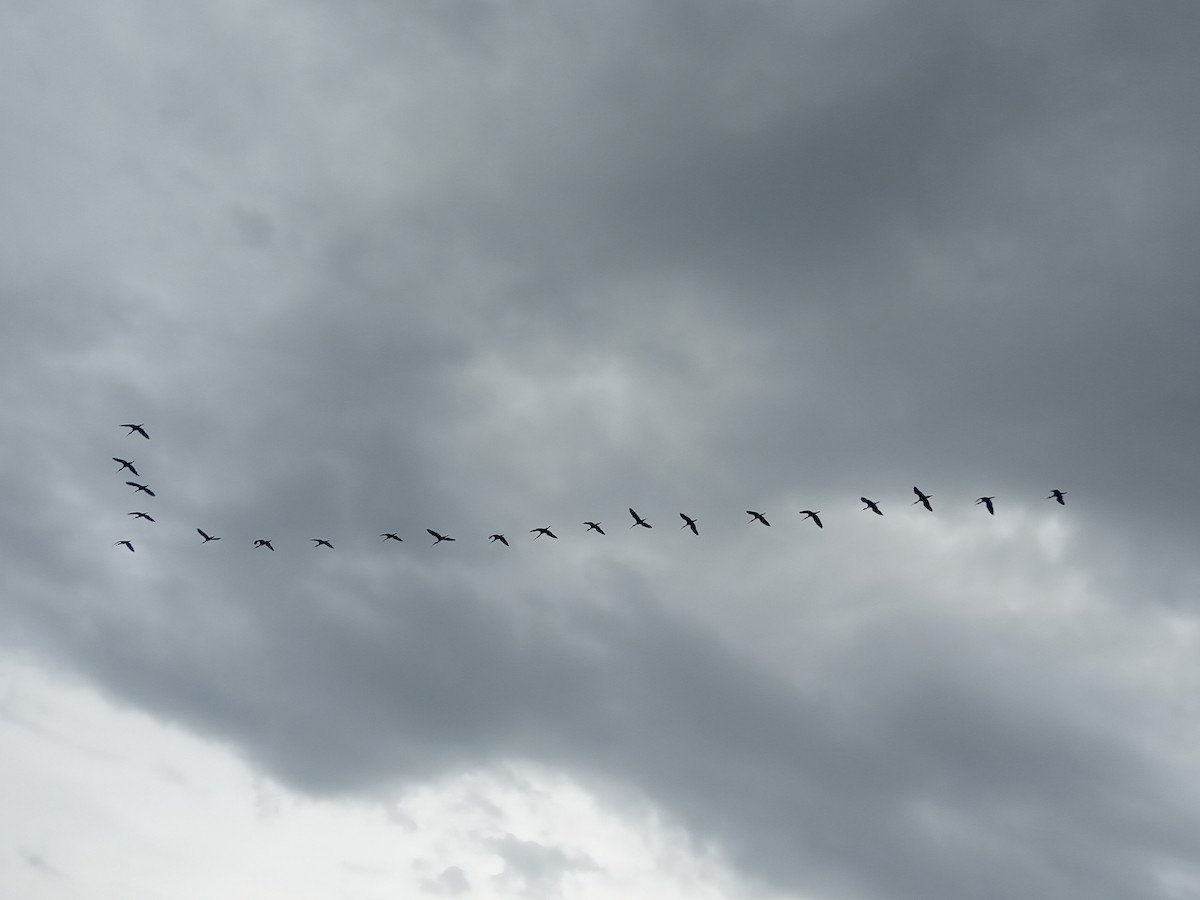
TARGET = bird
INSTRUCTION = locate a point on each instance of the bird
(127, 464)
(321, 542)
(261, 543)
(141, 487)
(390, 536)
(1056, 494)
(757, 515)
(207, 537)
(142, 515)
(638, 520)
(546, 531)
(688, 522)
(127, 544)
(595, 526)
(987, 501)
(812, 514)
(922, 498)
(501, 538)
(440, 537)
(138, 428)
(872, 506)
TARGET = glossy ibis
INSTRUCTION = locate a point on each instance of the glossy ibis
(812, 514)
(638, 520)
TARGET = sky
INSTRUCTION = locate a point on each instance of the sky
(490, 267)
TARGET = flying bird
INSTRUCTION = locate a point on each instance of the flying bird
(546, 531)
(138, 428)
(440, 537)
(142, 515)
(128, 545)
(321, 542)
(987, 501)
(261, 543)
(638, 520)
(126, 464)
(1056, 494)
(390, 536)
(207, 537)
(922, 498)
(757, 515)
(501, 538)
(688, 522)
(812, 514)
(595, 526)
(141, 487)
(872, 506)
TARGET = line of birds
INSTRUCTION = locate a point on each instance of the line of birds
(689, 522)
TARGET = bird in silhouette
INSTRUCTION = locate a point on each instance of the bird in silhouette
(128, 545)
(757, 515)
(595, 526)
(440, 537)
(812, 514)
(501, 538)
(1056, 494)
(638, 520)
(207, 537)
(390, 536)
(321, 542)
(922, 498)
(987, 501)
(546, 531)
(126, 464)
(138, 428)
(261, 543)
(142, 515)
(872, 506)
(688, 522)
(141, 487)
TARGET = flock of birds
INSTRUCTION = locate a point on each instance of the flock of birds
(814, 515)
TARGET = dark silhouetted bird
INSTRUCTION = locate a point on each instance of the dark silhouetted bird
(1056, 494)
(638, 520)
(321, 542)
(872, 506)
(128, 545)
(141, 487)
(757, 515)
(261, 543)
(688, 522)
(595, 526)
(922, 498)
(127, 464)
(987, 501)
(142, 515)
(546, 531)
(812, 514)
(390, 536)
(440, 537)
(138, 428)
(501, 538)
(207, 537)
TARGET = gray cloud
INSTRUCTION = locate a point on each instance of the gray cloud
(491, 270)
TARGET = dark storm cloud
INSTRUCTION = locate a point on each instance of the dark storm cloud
(543, 265)
(921, 738)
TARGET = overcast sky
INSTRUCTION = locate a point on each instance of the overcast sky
(486, 267)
